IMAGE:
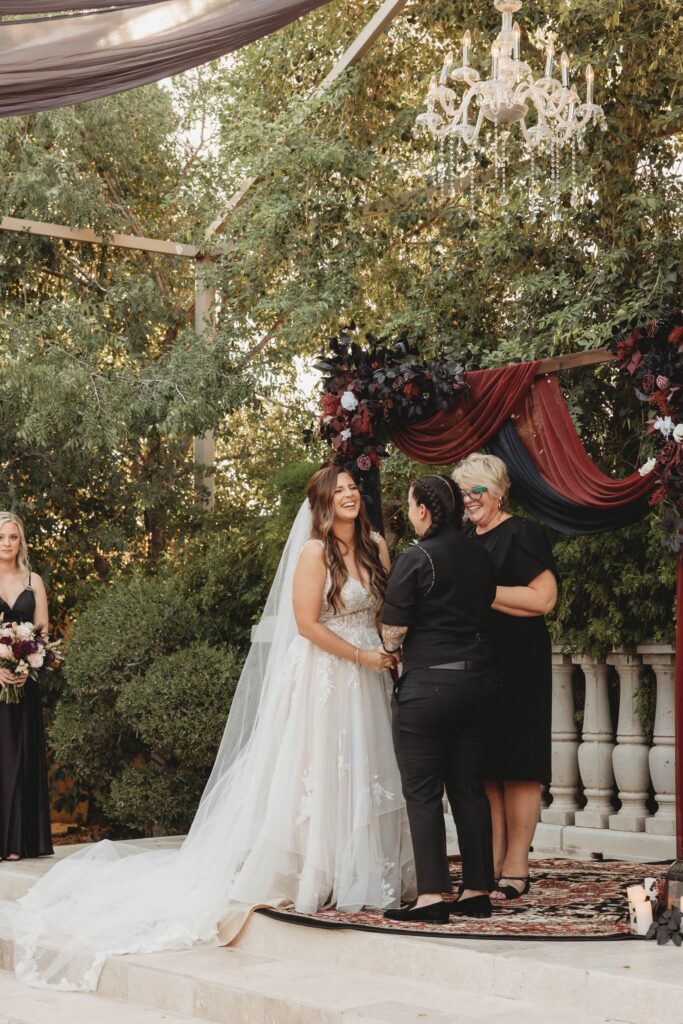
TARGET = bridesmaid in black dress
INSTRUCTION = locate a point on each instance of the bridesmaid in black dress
(24, 796)
(519, 754)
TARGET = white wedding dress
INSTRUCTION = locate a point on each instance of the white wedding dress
(303, 807)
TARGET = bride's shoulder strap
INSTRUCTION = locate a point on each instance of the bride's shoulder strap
(377, 537)
(310, 541)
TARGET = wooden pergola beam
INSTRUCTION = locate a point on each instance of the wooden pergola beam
(139, 242)
(573, 360)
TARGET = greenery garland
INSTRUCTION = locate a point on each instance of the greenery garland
(369, 391)
(651, 351)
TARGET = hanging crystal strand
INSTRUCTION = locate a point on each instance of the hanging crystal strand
(574, 189)
(442, 164)
(504, 198)
(533, 197)
(451, 167)
(496, 160)
(556, 180)
(472, 197)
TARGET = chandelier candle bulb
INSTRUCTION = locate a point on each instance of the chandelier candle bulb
(590, 76)
(517, 34)
(549, 54)
(564, 60)
(495, 60)
(466, 43)
(446, 67)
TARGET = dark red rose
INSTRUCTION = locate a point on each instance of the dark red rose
(364, 463)
(676, 336)
(647, 383)
(330, 404)
(411, 391)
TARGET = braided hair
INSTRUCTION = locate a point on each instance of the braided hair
(443, 499)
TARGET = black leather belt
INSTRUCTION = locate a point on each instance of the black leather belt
(475, 665)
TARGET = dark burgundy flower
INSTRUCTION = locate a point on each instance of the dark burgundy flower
(647, 383)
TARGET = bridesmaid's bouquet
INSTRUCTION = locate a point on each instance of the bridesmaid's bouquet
(25, 649)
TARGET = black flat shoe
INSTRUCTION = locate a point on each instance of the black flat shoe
(511, 892)
(433, 913)
(474, 906)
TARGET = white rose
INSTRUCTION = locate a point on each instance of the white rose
(23, 631)
(647, 467)
(35, 660)
(665, 425)
(345, 434)
(678, 433)
(349, 401)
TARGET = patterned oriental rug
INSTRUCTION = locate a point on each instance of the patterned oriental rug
(569, 900)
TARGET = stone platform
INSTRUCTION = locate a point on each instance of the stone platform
(280, 973)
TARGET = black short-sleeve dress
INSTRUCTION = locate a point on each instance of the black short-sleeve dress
(24, 795)
(520, 741)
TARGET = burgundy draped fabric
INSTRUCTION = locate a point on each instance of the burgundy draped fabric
(546, 430)
(52, 62)
(541, 419)
(454, 433)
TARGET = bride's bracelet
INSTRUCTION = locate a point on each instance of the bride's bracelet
(358, 657)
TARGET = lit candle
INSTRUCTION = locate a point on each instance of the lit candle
(466, 43)
(590, 76)
(643, 917)
(564, 61)
(446, 65)
(495, 57)
(516, 36)
(636, 893)
(433, 85)
(549, 54)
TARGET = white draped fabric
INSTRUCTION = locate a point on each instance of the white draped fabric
(52, 62)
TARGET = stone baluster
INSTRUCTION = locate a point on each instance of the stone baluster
(630, 756)
(663, 752)
(565, 764)
(595, 750)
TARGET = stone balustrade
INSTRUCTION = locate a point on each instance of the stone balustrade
(611, 792)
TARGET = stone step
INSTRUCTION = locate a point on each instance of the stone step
(22, 1005)
(229, 986)
(281, 972)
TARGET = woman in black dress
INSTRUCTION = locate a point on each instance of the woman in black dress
(24, 798)
(519, 753)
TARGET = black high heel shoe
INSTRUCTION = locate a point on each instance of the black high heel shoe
(511, 892)
(433, 913)
(473, 906)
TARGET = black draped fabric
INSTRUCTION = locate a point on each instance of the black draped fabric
(54, 62)
(543, 501)
(24, 795)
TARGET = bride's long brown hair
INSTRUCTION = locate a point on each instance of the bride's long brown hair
(320, 491)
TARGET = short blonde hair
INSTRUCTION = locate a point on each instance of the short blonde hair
(22, 557)
(481, 469)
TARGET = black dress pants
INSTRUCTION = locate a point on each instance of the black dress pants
(439, 725)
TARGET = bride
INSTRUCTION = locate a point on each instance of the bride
(304, 802)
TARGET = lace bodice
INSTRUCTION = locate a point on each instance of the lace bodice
(359, 608)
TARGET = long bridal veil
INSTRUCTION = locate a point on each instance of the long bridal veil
(114, 898)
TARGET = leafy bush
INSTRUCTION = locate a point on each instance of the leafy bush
(151, 670)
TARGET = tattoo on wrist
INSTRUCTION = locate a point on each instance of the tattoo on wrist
(392, 638)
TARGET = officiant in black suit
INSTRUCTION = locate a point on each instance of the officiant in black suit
(437, 609)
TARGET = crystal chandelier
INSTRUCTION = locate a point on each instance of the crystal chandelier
(510, 96)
